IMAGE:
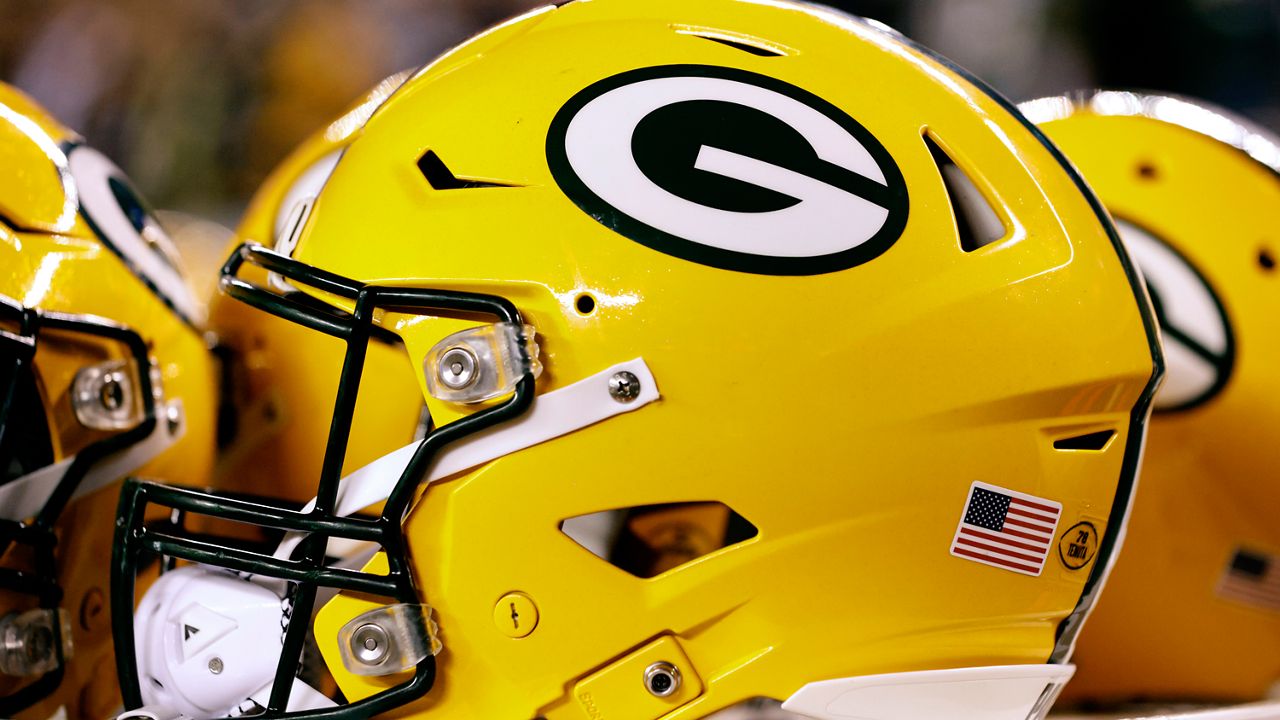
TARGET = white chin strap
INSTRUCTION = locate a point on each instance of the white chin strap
(25, 496)
(553, 414)
(1005, 692)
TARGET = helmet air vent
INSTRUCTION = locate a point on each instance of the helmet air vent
(442, 178)
(977, 222)
(744, 43)
(1092, 441)
(649, 540)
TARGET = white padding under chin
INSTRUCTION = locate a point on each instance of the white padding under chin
(1004, 692)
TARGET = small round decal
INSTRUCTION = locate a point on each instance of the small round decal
(728, 168)
(1078, 545)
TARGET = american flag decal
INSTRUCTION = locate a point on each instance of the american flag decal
(1006, 529)
(1252, 578)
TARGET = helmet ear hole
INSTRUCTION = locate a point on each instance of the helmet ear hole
(1266, 260)
(977, 221)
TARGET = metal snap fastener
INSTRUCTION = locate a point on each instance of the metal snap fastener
(458, 368)
(662, 679)
(370, 644)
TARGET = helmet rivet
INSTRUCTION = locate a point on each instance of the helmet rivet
(662, 679)
(624, 386)
(215, 665)
(370, 643)
(458, 368)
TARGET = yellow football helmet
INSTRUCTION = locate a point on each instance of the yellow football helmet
(1193, 612)
(281, 377)
(105, 373)
(696, 255)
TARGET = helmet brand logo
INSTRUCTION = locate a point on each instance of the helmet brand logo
(1198, 343)
(1078, 545)
(589, 706)
(201, 627)
(730, 169)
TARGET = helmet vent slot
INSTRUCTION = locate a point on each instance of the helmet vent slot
(977, 222)
(744, 43)
(757, 50)
(1092, 442)
(649, 540)
(441, 177)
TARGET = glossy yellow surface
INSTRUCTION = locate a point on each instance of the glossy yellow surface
(286, 377)
(32, 191)
(73, 272)
(1209, 482)
(844, 414)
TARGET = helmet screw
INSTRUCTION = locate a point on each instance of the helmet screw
(662, 679)
(624, 386)
(458, 367)
(173, 416)
(111, 394)
(215, 665)
(370, 643)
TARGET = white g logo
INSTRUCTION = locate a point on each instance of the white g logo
(728, 168)
(1199, 348)
(123, 222)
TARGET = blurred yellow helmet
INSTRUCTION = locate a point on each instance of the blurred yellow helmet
(105, 373)
(281, 377)
(757, 259)
(1193, 611)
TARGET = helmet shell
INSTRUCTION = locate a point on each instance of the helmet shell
(845, 408)
(1196, 192)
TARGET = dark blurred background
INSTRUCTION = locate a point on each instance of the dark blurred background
(198, 99)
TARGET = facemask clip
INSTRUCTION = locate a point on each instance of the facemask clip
(105, 396)
(28, 641)
(481, 363)
(388, 640)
